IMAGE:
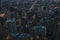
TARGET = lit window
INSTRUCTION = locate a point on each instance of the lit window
(2, 14)
(59, 23)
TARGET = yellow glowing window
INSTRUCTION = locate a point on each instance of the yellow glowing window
(59, 23)
(2, 14)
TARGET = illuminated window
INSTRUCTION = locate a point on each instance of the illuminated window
(59, 23)
(2, 14)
